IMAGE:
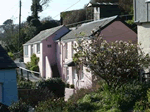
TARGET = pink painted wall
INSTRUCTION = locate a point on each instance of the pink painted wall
(115, 31)
(118, 31)
(52, 52)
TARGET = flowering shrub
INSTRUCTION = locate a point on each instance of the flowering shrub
(115, 62)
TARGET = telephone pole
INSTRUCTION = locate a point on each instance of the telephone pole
(19, 39)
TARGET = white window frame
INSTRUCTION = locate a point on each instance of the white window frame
(26, 50)
(38, 48)
(66, 51)
(67, 73)
(82, 74)
(32, 49)
(74, 73)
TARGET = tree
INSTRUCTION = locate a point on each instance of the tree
(115, 62)
(36, 7)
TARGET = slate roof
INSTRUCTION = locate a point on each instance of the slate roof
(43, 35)
(97, 4)
(5, 61)
(85, 29)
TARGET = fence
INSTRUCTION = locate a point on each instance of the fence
(29, 75)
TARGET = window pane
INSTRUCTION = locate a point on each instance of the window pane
(66, 50)
(25, 50)
(32, 49)
(67, 73)
(38, 48)
(74, 74)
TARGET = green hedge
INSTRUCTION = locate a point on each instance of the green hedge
(55, 85)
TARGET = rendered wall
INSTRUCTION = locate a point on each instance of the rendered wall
(144, 37)
(9, 90)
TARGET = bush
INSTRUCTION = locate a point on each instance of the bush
(72, 86)
(33, 65)
(51, 105)
(121, 99)
(67, 85)
(11, 55)
(54, 85)
(25, 84)
(115, 62)
(19, 107)
(4, 108)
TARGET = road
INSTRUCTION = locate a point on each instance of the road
(31, 76)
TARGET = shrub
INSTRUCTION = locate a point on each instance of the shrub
(72, 86)
(33, 96)
(4, 108)
(51, 105)
(25, 84)
(67, 85)
(33, 65)
(115, 62)
(19, 107)
(54, 85)
(11, 55)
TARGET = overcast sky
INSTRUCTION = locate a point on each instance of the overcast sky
(9, 9)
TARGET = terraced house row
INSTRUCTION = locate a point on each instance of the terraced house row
(54, 46)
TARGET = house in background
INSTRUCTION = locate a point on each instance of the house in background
(8, 81)
(142, 19)
(45, 47)
(111, 29)
(104, 9)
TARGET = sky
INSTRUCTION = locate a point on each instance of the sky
(9, 9)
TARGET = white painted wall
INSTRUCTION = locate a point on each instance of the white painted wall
(28, 58)
(144, 36)
(48, 69)
(87, 79)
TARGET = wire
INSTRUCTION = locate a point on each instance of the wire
(67, 8)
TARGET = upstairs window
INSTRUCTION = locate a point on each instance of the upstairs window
(66, 50)
(67, 73)
(32, 49)
(38, 48)
(26, 50)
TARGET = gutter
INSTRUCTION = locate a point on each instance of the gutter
(32, 43)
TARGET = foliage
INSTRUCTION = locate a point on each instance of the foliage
(33, 96)
(67, 85)
(33, 65)
(36, 7)
(72, 85)
(143, 104)
(4, 108)
(19, 107)
(52, 85)
(115, 62)
(25, 84)
(11, 55)
(121, 100)
(51, 105)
